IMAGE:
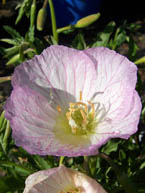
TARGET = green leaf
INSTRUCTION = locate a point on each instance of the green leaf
(3, 124)
(11, 51)
(79, 42)
(24, 8)
(119, 38)
(9, 183)
(42, 163)
(12, 32)
(104, 37)
(111, 146)
(122, 155)
(142, 166)
(14, 59)
(9, 41)
(39, 46)
(6, 136)
(18, 168)
(132, 49)
(2, 118)
(122, 177)
(140, 60)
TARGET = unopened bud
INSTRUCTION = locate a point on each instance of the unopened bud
(86, 21)
(41, 18)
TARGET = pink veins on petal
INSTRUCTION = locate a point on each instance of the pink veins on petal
(67, 102)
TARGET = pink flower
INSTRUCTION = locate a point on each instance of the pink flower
(67, 102)
(61, 180)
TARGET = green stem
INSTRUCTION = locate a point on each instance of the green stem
(86, 164)
(61, 160)
(6, 136)
(121, 176)
(68, 27)
(45, 4)
(53, 21)
(7, 132)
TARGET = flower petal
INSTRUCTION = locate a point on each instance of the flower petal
(116, 80)
(57, 67)
(61, 179)
(32, 119)
(123, 128)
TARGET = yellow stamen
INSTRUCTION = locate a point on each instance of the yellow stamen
(58, 108)
(71, 105)
(81, 96)
(84, 116)
(83, 104)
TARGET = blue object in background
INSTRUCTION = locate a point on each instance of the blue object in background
(70, 11)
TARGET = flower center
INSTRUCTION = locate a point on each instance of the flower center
(82, 118)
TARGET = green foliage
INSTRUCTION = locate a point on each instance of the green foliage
(103, 37)
(79, 42)
(23, 48)
(23, 9)
(111, 36)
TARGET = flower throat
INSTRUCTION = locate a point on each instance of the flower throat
(81, 117)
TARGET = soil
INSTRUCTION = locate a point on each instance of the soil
(136, 15)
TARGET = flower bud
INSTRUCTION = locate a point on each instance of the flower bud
(41, 18)
(86, 21)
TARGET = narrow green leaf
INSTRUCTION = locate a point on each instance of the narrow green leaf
(142, 166)
(3, 125)
(9, 41)
(14, 59)
(132, 49)
(11, 51)
(12, 32)
(103, 38)
(20, 169)
(140, 60)
(2, 118)
(41, 162)
(6, 136)
(23, 9)
(111, 146)
(128, 186)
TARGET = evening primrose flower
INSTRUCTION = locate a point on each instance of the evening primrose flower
(61, 180)
(67, 102)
